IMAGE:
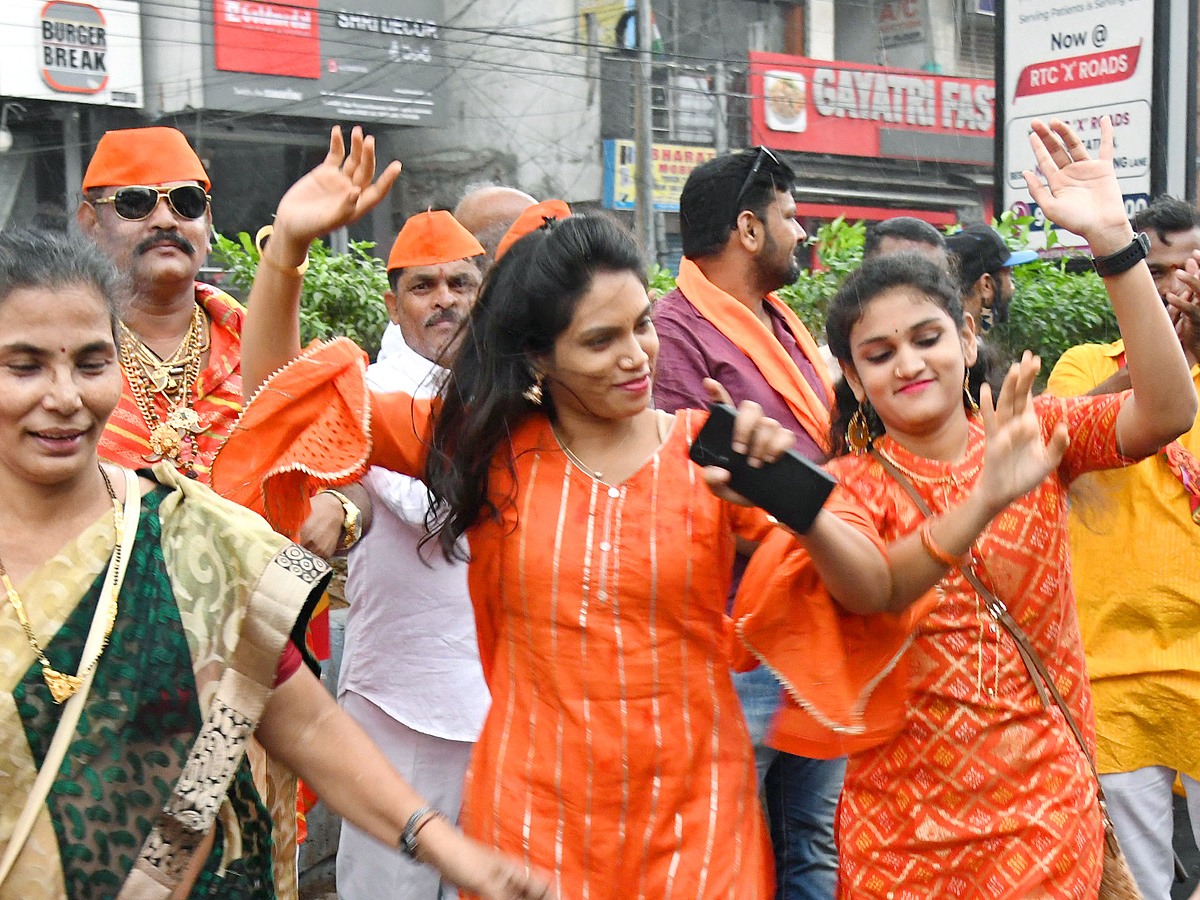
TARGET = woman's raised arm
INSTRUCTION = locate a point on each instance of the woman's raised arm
(1082, 195)
(337, 192)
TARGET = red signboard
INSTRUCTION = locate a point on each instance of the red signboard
(821, 106)
(1078, 71)
(267, 38)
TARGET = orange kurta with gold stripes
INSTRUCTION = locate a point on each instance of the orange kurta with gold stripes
(615, 756)
(126, 439)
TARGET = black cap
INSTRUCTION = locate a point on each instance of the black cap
(980, 249)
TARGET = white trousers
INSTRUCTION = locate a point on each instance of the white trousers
(1140, 805)
(370, 870)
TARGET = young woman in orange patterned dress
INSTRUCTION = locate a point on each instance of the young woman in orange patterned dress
(961, 781)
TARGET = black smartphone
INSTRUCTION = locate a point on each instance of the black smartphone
(792, 489)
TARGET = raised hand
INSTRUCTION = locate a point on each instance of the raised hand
(1016, 458)
(337, 192)
(1080, 193)
(1184, 307)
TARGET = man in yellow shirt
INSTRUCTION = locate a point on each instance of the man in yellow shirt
(1135, 541)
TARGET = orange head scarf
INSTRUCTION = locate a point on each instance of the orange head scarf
(154, 155)
(430, 238)
(533, 218)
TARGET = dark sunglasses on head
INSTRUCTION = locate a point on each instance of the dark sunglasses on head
(763, 153)
(133, 203)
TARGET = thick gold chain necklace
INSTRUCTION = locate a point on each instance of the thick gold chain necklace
(175, 378)
(62, 685)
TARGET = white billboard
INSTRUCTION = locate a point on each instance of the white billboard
(1078, 61)
(88, 51)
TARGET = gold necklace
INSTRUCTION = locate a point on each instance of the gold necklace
(175, 378)
(62, 685)
(596, 473)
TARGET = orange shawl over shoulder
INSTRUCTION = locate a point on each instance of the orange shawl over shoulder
(734, 320)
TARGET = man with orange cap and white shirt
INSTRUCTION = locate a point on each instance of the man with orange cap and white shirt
(146, 204)
(410, 670)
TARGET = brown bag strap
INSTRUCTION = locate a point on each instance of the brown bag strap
(1038, 672)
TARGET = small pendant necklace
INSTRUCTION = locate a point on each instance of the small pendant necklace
(596, 473)
(62, 685)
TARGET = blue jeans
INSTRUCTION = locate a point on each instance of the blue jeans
(801, 798)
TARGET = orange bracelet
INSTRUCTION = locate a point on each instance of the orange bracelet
(934, 549)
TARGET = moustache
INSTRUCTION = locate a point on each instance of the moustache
(445, 315)
(166, 237)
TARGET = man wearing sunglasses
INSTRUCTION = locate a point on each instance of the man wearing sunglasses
(146, 204)
(740, 237)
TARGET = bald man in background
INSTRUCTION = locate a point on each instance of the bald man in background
(488, 212)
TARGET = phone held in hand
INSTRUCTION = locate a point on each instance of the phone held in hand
(792, 489)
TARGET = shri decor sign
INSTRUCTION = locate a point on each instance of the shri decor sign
(84, 52)
(817, 106)
(673, 163)
(353, 61)
(1078, 61)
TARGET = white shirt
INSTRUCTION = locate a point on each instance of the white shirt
(410, 637)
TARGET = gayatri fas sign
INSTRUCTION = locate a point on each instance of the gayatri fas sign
(819, 106)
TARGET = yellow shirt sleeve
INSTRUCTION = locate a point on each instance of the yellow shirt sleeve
(1083, 367)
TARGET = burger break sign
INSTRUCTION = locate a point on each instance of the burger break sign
(820, 106)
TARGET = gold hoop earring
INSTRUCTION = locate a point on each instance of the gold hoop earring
(858, 432)
(972, 405)
(533, 393)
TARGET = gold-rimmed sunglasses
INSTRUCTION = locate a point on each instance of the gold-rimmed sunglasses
(135, 202)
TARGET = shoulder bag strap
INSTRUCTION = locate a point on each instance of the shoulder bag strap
(65, 730)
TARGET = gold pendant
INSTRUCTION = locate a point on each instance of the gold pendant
(164, 441)
(184, 419)
(61, 686)
(160, 379)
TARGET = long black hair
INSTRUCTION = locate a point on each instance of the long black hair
(528, 300)
(874, 277)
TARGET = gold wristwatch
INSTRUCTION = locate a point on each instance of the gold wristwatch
(351, 520)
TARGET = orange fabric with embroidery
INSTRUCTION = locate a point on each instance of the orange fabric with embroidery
(126, 439)
(615, 755)
(959, 783)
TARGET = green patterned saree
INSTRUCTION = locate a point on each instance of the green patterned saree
(202, 569)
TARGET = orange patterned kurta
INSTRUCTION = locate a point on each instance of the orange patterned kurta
(126, 439)
(615, 756)
(980, 793)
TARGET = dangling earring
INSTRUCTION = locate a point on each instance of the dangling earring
(971, 404)
(533, 393)
(858, 432)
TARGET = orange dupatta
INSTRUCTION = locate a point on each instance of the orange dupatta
(734, 320)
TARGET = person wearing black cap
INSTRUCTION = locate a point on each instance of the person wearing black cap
(985, 269)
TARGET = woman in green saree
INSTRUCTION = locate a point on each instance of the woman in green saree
(145, 635)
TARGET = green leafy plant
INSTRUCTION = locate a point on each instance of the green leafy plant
(342, 294)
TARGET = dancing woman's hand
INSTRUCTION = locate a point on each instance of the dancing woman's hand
(1017, 459)
(1080, 194)
(761, 438)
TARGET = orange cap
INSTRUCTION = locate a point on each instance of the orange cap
(532, 219)
(430, 238)
(153, 155)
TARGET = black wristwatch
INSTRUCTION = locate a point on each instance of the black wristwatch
(1125, 258)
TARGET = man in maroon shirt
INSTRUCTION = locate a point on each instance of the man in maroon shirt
(740, 235)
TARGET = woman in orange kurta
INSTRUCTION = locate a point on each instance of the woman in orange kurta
(960, 781)
(615, 755)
